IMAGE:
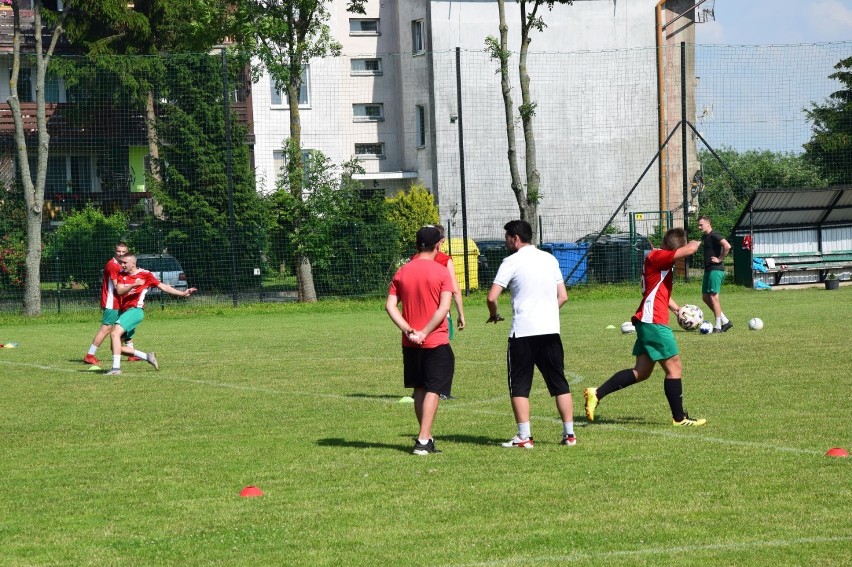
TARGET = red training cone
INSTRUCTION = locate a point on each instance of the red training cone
(250, 491)
(837, 452)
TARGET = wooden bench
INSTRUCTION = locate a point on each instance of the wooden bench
(821, 263)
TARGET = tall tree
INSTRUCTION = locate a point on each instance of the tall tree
(830, 147)
(33, 188)
(284, 35)
(528, 195)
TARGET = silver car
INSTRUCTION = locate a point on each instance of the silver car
(165, 267)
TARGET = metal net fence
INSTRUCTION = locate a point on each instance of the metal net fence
(182, 157)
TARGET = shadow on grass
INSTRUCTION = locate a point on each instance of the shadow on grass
(469, 439)
(374, 396)
(627, 420)
(338, 442)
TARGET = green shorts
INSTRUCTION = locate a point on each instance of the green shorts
(655, 340)
(130, 319)
(109, 317)
(712, 281)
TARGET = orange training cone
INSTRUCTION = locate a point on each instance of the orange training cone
(250, 491)
(837, 452)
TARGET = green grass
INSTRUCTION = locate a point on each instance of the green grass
(302, 401)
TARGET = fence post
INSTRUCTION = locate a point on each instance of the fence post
(56, 267)
(461, 169)
(683, 163)
(226, 103)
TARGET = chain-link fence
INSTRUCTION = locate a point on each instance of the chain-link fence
(182, 157)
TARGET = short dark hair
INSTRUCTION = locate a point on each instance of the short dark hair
(705, 218)
(519, 228)
(675, 238)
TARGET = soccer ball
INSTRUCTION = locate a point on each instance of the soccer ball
(755, 324)
(690, 317)
(705, 328)
(627, 327)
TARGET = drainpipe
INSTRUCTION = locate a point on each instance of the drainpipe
(661, 105)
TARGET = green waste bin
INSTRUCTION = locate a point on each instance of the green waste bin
(491, 254)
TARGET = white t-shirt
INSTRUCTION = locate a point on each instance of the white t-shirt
(531, 276)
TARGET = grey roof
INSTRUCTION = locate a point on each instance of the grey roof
(773, 209)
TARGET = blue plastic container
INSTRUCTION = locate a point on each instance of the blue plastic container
(572, 259)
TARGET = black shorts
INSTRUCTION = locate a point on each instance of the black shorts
(543, 351)
(430, 369)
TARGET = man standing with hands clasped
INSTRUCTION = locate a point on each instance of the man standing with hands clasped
(425, 290)
(538, 291)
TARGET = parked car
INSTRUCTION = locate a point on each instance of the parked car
(165, 267)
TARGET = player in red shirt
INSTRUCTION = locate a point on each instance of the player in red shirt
(109, 301)
(132, 287)
(655, 341)
(425, 290)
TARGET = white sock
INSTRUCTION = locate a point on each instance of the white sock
(725, 320)
(129, 344)
(567, 428)
(140, 354)
(524, 430)
(422, 442)
(93, 349)
(116, 361)
(718, 322)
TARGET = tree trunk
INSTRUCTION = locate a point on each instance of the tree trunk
(296, 174)
(508, 106)
(529, 209)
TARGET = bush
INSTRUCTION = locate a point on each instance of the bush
(13, 253)
(409, 211)
(84, 242)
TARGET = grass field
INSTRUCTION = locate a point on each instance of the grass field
(302, 401)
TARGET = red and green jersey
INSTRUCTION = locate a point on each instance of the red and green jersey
(109, 299)
(136, 296)
(657, 280)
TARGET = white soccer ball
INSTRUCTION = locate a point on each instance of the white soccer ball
(627, 327)
(755, 324)
(690, 317)
(705, 328)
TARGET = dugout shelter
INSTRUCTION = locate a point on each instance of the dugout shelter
(794, 236)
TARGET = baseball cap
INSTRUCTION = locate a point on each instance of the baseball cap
(428, 236)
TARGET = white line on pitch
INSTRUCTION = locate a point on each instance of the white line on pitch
(736, 546)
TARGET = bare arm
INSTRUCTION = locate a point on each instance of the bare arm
(687, 250)
(493, 295)
(172, 291)
(123, 289)
(457, 297)
(392, 307)
(726, 247)
(438, 317)
(561, 293)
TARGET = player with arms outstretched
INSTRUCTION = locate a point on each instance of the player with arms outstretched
(655, 341)
(133, 285)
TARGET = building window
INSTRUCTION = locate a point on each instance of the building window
(363, 26)
(366, 66)
(374, 150)
(279, 96)
(421, 126)
(417, 42)
(279, 163)
(372, 112)
(68, 175)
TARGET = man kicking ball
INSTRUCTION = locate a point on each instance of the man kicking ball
(132, 287)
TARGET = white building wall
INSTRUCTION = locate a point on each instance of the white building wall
(612, 83)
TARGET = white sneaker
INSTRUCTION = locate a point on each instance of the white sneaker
(152, 359)
(113, 372)
(519, 443)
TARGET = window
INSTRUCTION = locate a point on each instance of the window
(421, 125)
(374, 150)
(417, 43)
(279, 163)
(366, 66)
(68, 175)
(373, 112)
(279, 96)
(361, 26)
